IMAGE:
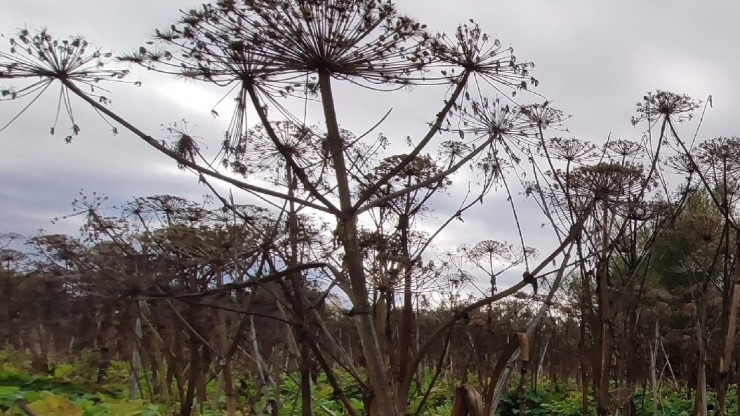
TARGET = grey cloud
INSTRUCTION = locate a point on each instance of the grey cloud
(595, 60)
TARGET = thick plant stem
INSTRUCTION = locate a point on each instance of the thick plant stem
(725, 361)
(407, 314)
(653, 369)
(700, 400)
(502, 371)
(383, 402)
(603, 360)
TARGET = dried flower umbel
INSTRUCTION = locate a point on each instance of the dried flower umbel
(606, 181)
(721, 154)
(543, 115)
(265, 42)
(255, 152)
(569, 150)
(39, 60)
(474, 51)
(489, 120)
(265, 50)
(665, 104)
(625, 148)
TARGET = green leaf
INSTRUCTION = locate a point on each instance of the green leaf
(125, 407)
(52, 405)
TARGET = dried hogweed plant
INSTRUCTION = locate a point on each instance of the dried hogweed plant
(37, 60)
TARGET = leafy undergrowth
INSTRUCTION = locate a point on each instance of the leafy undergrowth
(75, 389)
(71, 389)
(54, 396)
(559, 399)
(50, 396)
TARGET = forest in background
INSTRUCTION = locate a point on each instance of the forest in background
(331, 272)
(159, 295)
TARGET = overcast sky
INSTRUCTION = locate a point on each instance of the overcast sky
(594, 61)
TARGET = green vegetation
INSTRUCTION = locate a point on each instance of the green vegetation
(58, 396)
(71, 392)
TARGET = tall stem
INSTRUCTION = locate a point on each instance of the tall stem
(383, 403)
(605, 339)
